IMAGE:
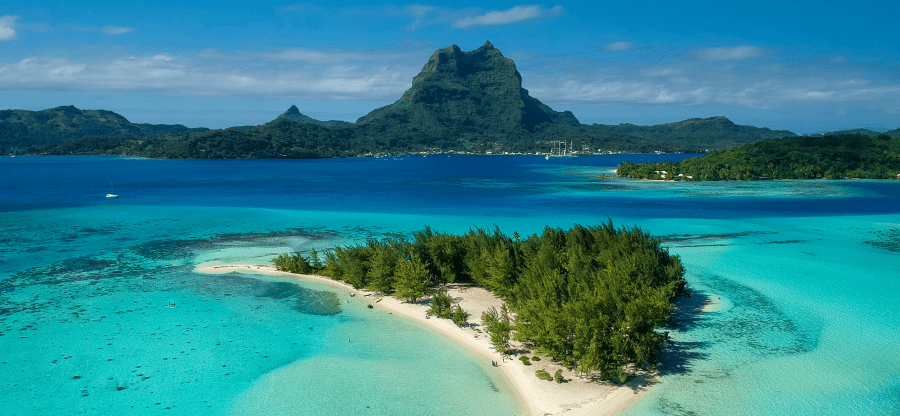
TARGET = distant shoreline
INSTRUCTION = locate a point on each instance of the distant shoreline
(576, 397)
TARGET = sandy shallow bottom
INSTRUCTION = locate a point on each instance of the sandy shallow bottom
(576, 396)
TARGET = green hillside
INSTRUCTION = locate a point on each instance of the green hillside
(829, 157)
(20, 129)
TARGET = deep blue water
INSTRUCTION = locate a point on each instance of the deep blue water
(464, 185)
(801, 275)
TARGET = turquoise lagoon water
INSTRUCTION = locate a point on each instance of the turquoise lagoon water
(799, 279)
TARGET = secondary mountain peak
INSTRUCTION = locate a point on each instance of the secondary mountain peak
(293, 111)
(293, 114)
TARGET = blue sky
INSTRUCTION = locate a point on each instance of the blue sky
(803, 66)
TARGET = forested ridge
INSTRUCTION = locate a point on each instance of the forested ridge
(590, 297)
(854, 156)
(20, 129)
(285, 138)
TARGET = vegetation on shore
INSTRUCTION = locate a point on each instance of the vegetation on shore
(285, 138)
(853, 156)
(591, 298)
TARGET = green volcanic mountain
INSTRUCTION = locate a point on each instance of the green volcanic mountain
(23, 128)
(460, 102)
(465, 95)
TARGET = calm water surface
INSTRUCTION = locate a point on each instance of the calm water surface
(100, 310)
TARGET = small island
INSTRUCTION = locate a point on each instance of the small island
(590, 298)
(843, 156)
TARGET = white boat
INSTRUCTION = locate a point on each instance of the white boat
(560, 150)
(111, 195)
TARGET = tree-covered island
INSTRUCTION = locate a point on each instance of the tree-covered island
(591, 298)
(845, 156)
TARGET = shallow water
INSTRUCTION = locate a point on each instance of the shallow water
(806, 322)
(800, 279)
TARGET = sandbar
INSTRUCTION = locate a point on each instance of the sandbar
(577, 396)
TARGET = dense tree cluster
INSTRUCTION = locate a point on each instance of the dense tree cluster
(589, 297)
(828, 157)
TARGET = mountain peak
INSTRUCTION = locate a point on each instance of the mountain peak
(294, 114)
(460, 92)
(453, 62)
(293, 111)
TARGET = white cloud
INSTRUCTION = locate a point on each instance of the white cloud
(617, 46)
(513, 15)
(419, 13)
(302, 7)
(7, 29)
(359, 75)
(335, 56)
(116, 30)
(698, 83)
(730, 54)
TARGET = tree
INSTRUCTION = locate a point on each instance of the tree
(382, 264)
(498, 326)
(294, 263)
(314, 260)
(411, 279)
(440, 304)
(459, 316)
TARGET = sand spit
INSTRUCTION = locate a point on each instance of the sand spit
(575, 397)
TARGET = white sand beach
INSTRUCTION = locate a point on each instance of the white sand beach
(576, 396)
